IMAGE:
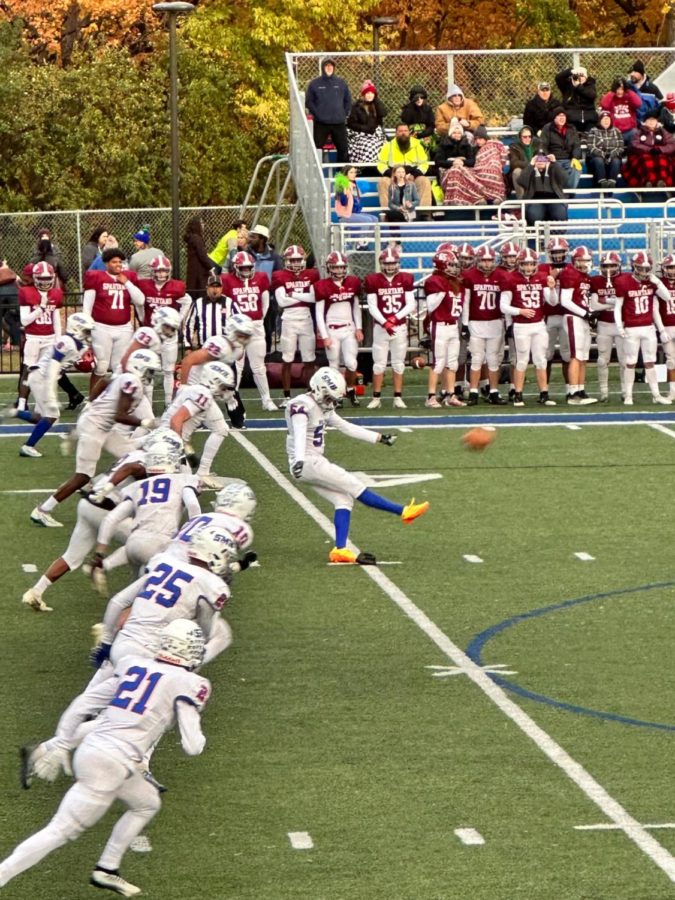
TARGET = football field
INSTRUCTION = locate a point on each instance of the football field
(487, 715)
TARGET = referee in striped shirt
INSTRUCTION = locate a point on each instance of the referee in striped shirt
(206, 318)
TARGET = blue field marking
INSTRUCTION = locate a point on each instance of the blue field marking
(475, 649)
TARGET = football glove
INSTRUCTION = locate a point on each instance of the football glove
(388, 439)
(296, 468)
(390, 324)
(98, 655)
(248, 558)
(49, 766)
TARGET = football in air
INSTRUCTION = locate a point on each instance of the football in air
(479, 438)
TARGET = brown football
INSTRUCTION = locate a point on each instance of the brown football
(479, 438)
(418, 362)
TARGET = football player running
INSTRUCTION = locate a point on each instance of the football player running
(307, 418)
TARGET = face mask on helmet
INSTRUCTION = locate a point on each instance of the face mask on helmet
(485, 262)
(243, 265)
(163, 437)
(508, 257)
(527, 263)
(328, 387)
(218, 378)
(668, 267)
(181, 643)
(79, 326)
(239, 329)
(642, 266)
(294, 259)
(166, 321)
(466, 256)
(161, 270)
(609, 269)
(582, 261)
(336, 266)
(557, 250)
(446, 263)
(215, 547)
(144, 363)
(237, 499)
(161, 460)
(44, 277)
(390, 263)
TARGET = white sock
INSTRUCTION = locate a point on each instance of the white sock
(603, 378)
(628, 382)
(672, 388)
(168, 388)
(211, 447)
(49, 504)
(652, 380)
(263, 387)
(42, 585)
(129, 826)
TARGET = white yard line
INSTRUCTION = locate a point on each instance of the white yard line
(470, 837)
(584, 557)
(611, 808)
(300, 840)
(29, 567)
(471, 558)
(610, 826)
(662, 428)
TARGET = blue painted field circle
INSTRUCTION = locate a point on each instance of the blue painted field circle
(475, 650)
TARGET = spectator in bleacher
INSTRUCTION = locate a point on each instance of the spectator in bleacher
(578, 93)
(94, 246)
(605, 151)
(539, 109)
(544, 179)
(235, 238)
(403, 197)
(145, 253)
(667, 113)
(329, 103)
(521, 153)
(454, 150)
(404, 150)
(348, 203)
(623, 103)
(641, 82)
(199, 264)
(47, 251)
(560, 142)
(649, 162)
(110, 244)
(365, 125)
(482, 183)
(419, 116)
(458, 107)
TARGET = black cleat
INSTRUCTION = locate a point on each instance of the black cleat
(473, 399)
(25, 769)
(485, 392)
(75, 401)
(496, 400)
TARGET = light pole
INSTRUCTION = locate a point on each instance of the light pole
(173, 10)
(379, 22)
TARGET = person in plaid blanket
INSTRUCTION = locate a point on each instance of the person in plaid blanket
(605, 150)
(650, 156)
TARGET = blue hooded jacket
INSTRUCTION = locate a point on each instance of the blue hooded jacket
(328, 99)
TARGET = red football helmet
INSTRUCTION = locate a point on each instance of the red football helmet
(486, 260)
(557, 249)
(446, 262)
(390, 262)
(668, 267)
(243, 265)
(527, 262)
(447, 247)
(582, 259)
(508, 255)
(295, 258)
(161, 270)
(336, 265)
(43, 275)
(610, 263)
(86, 362)
(641, 264)
(466, 255)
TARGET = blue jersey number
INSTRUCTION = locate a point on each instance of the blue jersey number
(188, 530)
(164, 585)
(156, 491)
(137, 682)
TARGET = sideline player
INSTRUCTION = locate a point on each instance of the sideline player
(603, 300)
(445, 297)
(307, 418)
(485, 322)
(574, 286)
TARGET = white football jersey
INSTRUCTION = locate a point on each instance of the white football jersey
(144, 705)
(240, 530)
(102, 411)
(196, 398)
(158, 502)
(65, 349)
(148, 337)
(317, 420)
(221, 350)
(173, 589)
(135, 456)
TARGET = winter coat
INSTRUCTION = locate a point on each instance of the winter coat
(415, 159)
(622, 109)
(328, 99)
(606, 143)
(528, 180)
(469, 110)
(450, 150)
(409, 193)
(578, 100)
(648, 141)
(517, 157)
(539, 112)
(199, 264)
(420, 118)
(667, 119)
(563, 146)
(367, 117)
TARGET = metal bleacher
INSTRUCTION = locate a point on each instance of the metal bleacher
(618, 220)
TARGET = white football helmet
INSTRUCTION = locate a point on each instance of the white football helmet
(79, 326)
(166, 321)
(44, 276)
(215, 547)
(181, 643)
(144, 363)
(163, 436)
(328, 387)
(238, 329)
(236, 498)
(218, 378)
(161, 460)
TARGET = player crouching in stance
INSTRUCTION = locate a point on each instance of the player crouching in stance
(147, 697)
(307, 418)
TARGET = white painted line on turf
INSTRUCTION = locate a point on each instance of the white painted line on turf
(300, 840)
(447, 671)
(32, 491)
(394, 480)
(381, 562)
(470, 557)
(588, 785)
(404, 429)
(585, 557)
(573, 427)
(29, 567)
(470, 837)
(662, 429)
(610, 826)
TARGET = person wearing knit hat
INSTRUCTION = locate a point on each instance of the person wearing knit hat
(365, 125)
(418, 115)
(145, 253)
(640, 81)
(605, 150)
(560, 142)
(457, 106)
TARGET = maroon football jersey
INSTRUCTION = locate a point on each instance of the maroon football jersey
(390, 294)
(637, 310)
(299, 283)
(604, 287)
(450, 309)
(246, 296)
(44, 324)
(166, 295)
(483, 291)
(528, 293)
(330, 292)
(580, 283)
(667, 307)
(112, 303)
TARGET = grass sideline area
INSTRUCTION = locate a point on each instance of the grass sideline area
(335, 714)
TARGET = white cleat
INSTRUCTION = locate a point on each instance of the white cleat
(432, 403)
(100, 580)
(43, 518)
(285, 403)
(270, 406)
(9, 412)
(34, 600)
(399, 404)
(113, 882)
(663, 401)
(375, 403)
(26, 450)
(211, 482)
(627, 401)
